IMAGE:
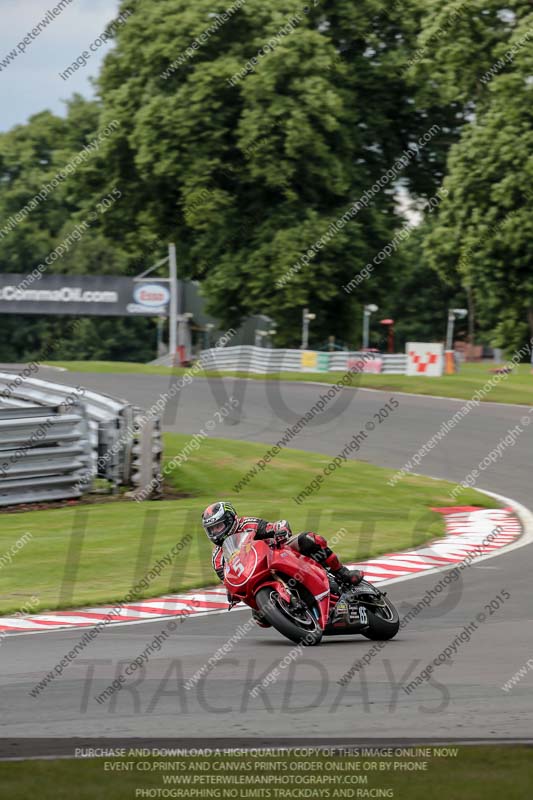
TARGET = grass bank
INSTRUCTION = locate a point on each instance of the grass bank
(85, 554)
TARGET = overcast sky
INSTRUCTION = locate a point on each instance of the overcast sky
(31, 82)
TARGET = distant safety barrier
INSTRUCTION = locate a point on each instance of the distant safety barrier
(247, 358)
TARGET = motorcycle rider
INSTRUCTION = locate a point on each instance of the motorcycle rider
(220, 520)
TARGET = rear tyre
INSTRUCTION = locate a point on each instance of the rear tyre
(301, 628)
(383, 622)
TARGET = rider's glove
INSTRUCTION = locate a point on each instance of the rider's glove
(282, 532)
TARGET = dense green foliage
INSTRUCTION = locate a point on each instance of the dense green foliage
(32, 156)
(484, 231)
(247, 173)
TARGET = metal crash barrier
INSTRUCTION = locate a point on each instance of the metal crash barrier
(263, 360)
(45, 453)
(55, 439)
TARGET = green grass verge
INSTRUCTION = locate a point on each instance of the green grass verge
(108, 547)
(514, 388)
(476, 773)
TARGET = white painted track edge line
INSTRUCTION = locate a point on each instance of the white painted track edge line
(381, 391)
(82, 629)
(454, 399)
(523, 513)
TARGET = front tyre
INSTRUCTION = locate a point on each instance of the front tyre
(296, 623)
(383, 621)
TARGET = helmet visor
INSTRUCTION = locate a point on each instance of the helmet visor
(218, 527)
(216, 531)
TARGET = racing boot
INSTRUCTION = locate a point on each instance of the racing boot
(349, 578)
(313, 545)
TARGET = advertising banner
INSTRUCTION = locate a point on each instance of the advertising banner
(308, 361)
(313, 361)
(425, 358)
(374, 365)
(82, 295)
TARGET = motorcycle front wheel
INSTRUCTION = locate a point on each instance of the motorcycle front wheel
(296, 624)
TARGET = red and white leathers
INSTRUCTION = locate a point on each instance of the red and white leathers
(261, 530)
(308, 543)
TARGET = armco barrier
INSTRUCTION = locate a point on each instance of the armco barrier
(112, 425)
(261, 360)
(146, 454)
(45, 453)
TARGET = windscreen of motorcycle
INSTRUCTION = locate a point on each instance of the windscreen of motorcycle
(238, 550)
(233, 543)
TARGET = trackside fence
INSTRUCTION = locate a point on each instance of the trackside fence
(262, 360)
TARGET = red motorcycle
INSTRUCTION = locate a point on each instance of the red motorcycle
(299, 598)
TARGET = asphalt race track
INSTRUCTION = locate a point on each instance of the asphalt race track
(465, 698)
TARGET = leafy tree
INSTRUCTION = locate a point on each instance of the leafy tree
(247, 165)
(419, 298)
(31, 157)
(276, 156)
(484, 233)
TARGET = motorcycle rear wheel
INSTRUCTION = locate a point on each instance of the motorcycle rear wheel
(276, 611)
